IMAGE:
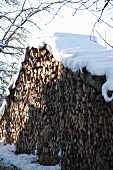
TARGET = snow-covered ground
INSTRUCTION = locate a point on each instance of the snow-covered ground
(22, 161)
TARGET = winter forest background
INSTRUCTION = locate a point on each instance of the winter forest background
(23, 22)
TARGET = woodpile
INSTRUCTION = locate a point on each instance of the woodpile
(52, 109)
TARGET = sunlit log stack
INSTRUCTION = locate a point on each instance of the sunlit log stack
(52, 109)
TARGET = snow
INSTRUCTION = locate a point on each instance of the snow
(67, 43)
(36, 42)
(22, 161)
(1, 91)
(2, 109)
(78, 51)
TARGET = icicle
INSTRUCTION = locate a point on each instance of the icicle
(36, 149)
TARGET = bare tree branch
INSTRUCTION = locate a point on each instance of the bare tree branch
(103, 39)
(14, 18)
(97, 8)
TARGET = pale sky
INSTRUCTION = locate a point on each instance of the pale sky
(81, 23)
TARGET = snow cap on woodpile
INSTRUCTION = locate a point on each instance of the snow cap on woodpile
(82, 51)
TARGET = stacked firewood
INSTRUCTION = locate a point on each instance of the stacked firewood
(88, 132)
(31, 117)
(52, 109)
